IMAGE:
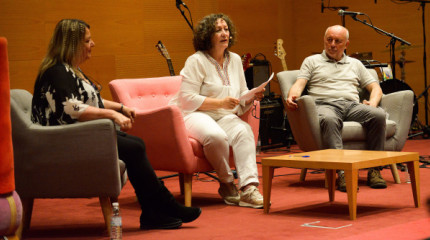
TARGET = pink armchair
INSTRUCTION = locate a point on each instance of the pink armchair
(162, 127)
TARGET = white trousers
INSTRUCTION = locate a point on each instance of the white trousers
(216, 138)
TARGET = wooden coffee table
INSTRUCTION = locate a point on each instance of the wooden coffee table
(348, 160)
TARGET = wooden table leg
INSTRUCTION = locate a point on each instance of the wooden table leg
(414, 172)
(351, 179)
(267, 186)
(331, 183)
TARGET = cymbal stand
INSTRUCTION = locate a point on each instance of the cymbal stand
(402, 62)
(424, 93)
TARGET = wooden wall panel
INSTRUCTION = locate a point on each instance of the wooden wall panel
(125, 33)
(257, 26)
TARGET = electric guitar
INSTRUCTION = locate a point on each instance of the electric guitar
(246, 61)
(163, 51)
(280, 53)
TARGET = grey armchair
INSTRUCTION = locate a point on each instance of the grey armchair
(306, 128)
(70, 161)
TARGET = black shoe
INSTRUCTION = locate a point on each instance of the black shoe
(158, 221)
(171, 207)
(186, 214)
(375, 180)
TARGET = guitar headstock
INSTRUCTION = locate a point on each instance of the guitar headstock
(279, 50)
(246, 59)
(163, 50)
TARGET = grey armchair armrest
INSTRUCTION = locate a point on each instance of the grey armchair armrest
(399, 107)
(76, 160)
(305, 124)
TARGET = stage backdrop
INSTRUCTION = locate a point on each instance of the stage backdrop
(126, 32)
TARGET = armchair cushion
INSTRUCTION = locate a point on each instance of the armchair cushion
(353, 131)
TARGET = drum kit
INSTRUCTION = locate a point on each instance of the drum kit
(387, 82)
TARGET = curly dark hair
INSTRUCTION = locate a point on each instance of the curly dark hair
(206, 28)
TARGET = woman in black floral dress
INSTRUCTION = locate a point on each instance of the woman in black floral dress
(64, 95)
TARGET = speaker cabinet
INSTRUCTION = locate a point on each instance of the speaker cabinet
(258, 74)
(274, 128)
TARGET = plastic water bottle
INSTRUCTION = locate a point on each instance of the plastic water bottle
(258, 150)
(116, 223)
(407, 176)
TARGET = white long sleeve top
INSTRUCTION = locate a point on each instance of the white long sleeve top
(203, 77)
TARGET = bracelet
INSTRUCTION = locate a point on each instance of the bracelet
(122, 106)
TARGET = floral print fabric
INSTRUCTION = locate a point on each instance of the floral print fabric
(60, 96)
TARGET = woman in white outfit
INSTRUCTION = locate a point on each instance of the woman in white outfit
(213, 82)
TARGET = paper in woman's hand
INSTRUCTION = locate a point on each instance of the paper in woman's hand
(255, 90)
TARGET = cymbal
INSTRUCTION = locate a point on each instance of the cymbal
(403, 47)
(362, 55)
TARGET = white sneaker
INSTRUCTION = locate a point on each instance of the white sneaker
(229, 193)
(251, 197)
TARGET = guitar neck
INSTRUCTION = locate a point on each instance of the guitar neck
(169, 63)
(284, 64)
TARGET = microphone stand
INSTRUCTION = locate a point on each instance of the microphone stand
(186, 19)
(334, 9)
(392, 41)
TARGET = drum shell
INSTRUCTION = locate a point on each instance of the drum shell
(395, 85)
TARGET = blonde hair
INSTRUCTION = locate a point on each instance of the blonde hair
(65, 45)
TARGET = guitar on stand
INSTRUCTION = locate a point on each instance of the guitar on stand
(280, 53)
(163, 51)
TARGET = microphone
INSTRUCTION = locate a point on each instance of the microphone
(343, 13)
(179, 2)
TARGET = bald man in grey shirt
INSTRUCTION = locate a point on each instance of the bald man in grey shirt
(332, 80)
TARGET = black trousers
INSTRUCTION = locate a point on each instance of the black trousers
(148, 188)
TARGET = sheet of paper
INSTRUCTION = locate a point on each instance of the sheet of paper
(252, 92)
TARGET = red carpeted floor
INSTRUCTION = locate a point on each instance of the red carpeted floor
(300, 210)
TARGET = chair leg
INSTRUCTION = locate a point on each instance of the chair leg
(27, 211)
(303, 174)
(395, 173)
(106, 205)
(181, 183)
(188, 181)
